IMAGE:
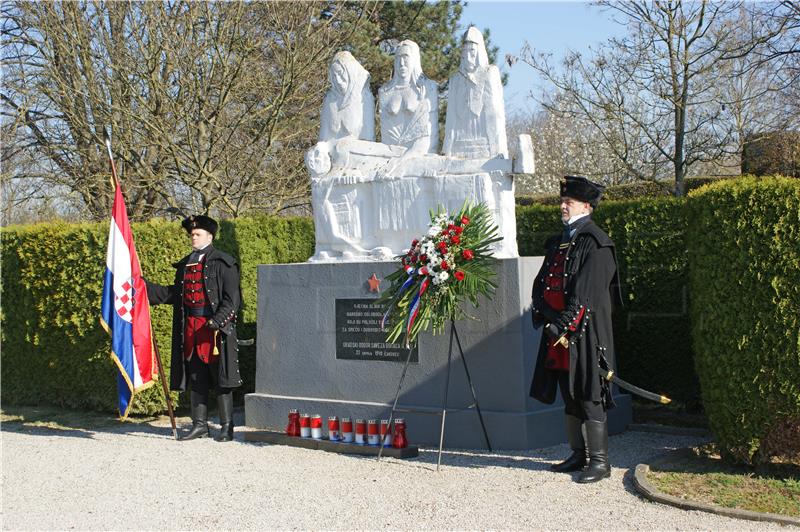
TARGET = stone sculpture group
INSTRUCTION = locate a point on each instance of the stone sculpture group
(370, 199)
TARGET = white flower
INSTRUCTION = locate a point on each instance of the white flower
(434, 230)
(442, 276)
(434, 258)
(427, 247)
(435, 279)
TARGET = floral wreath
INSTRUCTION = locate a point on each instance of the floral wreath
(452, 262)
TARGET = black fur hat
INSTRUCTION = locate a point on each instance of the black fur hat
(200, 221)
(582, 189)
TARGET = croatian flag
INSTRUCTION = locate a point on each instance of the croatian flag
(125, 310)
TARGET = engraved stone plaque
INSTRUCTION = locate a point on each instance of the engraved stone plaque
(359, 335)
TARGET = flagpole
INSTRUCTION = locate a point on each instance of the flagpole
(153, 336)
(164, 386)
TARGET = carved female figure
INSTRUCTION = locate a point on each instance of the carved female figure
(349, 107)
(475, 125)
(408, 104)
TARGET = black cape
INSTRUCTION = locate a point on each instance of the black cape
(592, 284)
(223, 293)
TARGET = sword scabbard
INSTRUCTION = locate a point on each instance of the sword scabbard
(611, 377)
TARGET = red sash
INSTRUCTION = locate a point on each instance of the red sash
(557, 355)
(197, 338)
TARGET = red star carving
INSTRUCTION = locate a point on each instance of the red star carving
(374, 283)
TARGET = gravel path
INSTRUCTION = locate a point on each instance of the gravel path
(136, 477)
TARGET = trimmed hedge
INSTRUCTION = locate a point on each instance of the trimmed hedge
(744, 251)
(651, 330)
(628, 191)
(44, 350)
(55, 352)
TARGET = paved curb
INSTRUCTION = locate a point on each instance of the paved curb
(650, 492)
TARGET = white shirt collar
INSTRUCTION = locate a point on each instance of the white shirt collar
(577, 217)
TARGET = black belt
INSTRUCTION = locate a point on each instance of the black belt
(199, 312)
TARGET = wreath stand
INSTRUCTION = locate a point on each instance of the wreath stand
(453, 334)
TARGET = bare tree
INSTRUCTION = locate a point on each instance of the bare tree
(653, 95)
(565, 143)
(771, 37)
(210, 104)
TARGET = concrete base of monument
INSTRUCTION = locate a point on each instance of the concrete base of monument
(320, 350)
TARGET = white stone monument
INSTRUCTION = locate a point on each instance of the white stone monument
(370, 199)
(320, 344)
(349, 108)
(475, 126)
(525, 162)
(409, 105)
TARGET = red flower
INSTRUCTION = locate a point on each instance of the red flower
(459, 275)
(445, 266)
(458, 229)
(455, 239)
(468, 254)
(414, 243)
(442, 247)
(464, 220)
(423, 258)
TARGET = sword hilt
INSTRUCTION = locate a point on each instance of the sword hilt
(562, 341)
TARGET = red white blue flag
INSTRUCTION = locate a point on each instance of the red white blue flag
(125, 310)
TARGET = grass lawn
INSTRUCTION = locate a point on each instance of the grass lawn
(702, 476)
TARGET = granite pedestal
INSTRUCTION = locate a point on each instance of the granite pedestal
(297, 364)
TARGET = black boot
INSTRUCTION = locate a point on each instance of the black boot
(225, 405)
(597, 443)
(199, 417)
(577, 460)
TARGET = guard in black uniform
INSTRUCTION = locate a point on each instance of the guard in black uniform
(573, 295)
(206, 299)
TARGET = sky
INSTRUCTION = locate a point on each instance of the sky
(554, 26)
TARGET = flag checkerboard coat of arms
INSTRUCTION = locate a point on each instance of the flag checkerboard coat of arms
(125, 310)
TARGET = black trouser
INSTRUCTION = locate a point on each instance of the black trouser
(204, 377)
(576, 406)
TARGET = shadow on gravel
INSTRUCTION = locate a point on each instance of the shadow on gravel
(533, 460)
(428, 458)
(34, 430)
(51, 421)
(49, 429)
(626, 451)
(629, 484)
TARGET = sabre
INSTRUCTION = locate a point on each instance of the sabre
(610, 376)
